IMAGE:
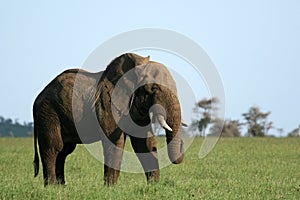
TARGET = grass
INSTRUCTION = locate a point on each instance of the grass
(237, 168)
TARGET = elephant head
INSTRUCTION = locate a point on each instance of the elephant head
(147, 94)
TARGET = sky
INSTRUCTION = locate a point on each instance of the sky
(254, 45)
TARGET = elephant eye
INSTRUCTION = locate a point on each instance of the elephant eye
(154, 87)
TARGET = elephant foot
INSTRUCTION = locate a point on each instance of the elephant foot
(110, 176)
(49, 181)
(56, 183)
(110, 181)
(152, 176)
(61, 181)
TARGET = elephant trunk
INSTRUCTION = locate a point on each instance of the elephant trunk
(170, 120)
(175, 148)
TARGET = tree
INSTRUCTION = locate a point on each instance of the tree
(2, 119)
(204, 108)
(216, 128)
(17, 122)
(268, 126)
(227, 128)
(30, 124)
(295, 132)
(232, 128)
(258, 124)
(8, 121)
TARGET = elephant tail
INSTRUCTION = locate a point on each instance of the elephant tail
(36, 155)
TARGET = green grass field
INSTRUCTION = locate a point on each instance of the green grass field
(237, 168)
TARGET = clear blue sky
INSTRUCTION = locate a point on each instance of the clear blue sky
(255, 46)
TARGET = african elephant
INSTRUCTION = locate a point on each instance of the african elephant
(80, 107)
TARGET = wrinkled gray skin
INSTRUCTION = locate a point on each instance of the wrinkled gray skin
(71, 107)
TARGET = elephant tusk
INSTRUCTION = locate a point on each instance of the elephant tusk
(163, 122)
(151, 117)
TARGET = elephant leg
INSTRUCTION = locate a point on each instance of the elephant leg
(146, 151)
(48, 157)
(113, 153)
(60, 162)
(50, 144)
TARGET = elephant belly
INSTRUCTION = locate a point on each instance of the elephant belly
(83, 132)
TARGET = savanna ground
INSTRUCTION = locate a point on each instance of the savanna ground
(237, 168)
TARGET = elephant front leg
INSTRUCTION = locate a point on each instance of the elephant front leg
(146, 151)
(113, 152)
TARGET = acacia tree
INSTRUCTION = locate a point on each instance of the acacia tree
(257, 121)
(204, 107)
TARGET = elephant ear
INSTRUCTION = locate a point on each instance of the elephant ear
(124, 81)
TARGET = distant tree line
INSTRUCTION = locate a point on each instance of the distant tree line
(255, 122)
(295, 132)
(13, 128)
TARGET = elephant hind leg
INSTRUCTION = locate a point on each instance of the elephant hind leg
(146, 151)
(49, 170)
(48, 157)
(60, 162)
(50, 144)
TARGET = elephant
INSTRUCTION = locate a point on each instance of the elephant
(80, 107)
